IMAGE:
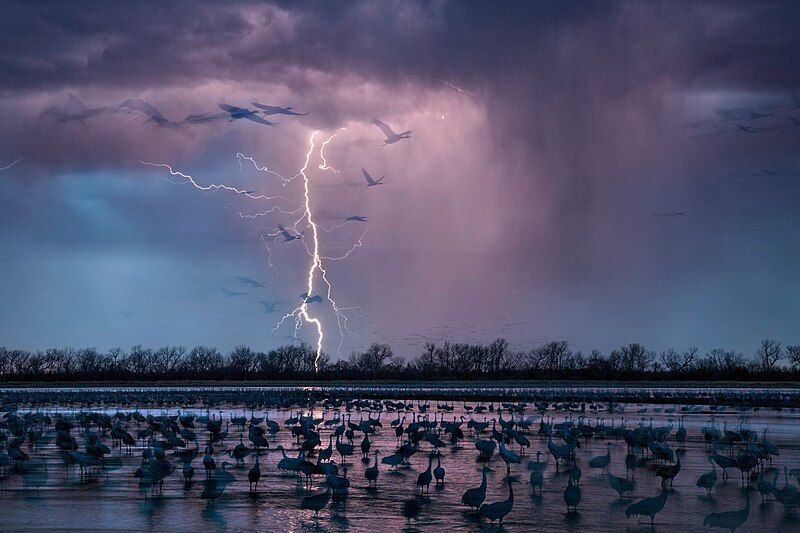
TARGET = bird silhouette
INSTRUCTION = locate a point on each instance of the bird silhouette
(371, 182)
(231, 294)
(475, 497)
(288, 237)
(648, 506)
(730, 520)
(251, 282)
(499, 510)
(268, 307)
(391, 136)
(276, 110)
(252, 115)
(572, 495)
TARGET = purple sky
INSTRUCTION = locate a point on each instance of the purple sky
(590, 182)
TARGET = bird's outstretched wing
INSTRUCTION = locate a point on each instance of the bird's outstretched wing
(383, 127)
(229, 108)
(275, 110)
(367, 176)
(256, 118)
(203, 118)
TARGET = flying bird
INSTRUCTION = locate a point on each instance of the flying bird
(153, 114)
(755, 115)
(371, 182)
(311, 299)
(236, 113)
(268, 307)
(77, 110)
(357, 218)
(766, 173)
(732, 114)
(247, 192)
(391, 136)
(231, 294)
(59, 115)
(288, 237)
(204, 118)
(276, 110)
(247, 281)
(755, 130)
(673, 215)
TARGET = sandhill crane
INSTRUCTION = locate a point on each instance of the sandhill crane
(602, 461)
(572, 496)
(537, 473)
(391, 136)
(669, 472)
(498, 510)
(508, 457)
(765, 488)
(425, 477)
(620, 484)
(680, 434)
(724, 462)
(208, 461)
(316, 502)
(365, 445)
(343, 448)
(254, 475)
(474, 497)
(788, 495)
(730, 520)
(709, 479)
(371, 182)
(241, 112)
(338, 483)
(188, 471)
(372, 472)
(240, 451)
(648, 506)
(438, 472)
(485, 447)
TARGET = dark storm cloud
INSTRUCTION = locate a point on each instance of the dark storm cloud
(549, 177)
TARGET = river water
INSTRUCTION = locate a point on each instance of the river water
(47, 494)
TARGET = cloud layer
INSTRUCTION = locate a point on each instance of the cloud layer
(589, 181)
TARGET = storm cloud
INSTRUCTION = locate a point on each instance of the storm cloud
(527, 204)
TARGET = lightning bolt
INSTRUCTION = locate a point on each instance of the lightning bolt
(316, 261)
(214, 186)
(324, 164)
(301, 314)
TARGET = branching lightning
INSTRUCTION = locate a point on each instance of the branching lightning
(324, 164)
(306, 220)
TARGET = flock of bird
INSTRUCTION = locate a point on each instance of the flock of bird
(319, 442)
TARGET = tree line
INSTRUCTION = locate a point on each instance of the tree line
(447, 361)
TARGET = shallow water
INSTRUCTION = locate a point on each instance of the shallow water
(55, 496)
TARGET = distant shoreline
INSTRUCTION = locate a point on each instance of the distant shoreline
(406, 384)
